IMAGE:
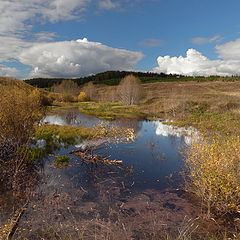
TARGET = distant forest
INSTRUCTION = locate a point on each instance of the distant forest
(114, 77)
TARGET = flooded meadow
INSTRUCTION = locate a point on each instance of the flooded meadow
(139, 197)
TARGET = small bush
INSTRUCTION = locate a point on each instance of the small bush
(19, 111)
(46, 100)
(83, 97)
(212, 172)
(68, 98)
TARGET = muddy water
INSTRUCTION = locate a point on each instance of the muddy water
(138, 200)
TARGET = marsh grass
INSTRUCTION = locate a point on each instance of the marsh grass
(108, 229)
(56, 136)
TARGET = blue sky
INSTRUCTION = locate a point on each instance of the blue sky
(74, 38)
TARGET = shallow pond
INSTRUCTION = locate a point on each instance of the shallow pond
(137, 200)
(154, 155)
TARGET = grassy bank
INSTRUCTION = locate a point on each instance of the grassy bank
(67, 134)
(111, 110)
(106, 110)
(211, 106)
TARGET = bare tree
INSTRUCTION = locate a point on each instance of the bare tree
(130, 90)
(90, 90)
(67, 87)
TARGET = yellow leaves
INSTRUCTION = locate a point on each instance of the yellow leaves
(213, 170)
(82, 97)
(19, 110)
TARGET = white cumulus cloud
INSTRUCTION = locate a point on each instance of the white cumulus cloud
(229, 50)
(76, 58)
(195, 64)
(17, 20)
(19, 41)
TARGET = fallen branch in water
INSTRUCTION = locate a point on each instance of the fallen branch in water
(89, 148)
(88, 156)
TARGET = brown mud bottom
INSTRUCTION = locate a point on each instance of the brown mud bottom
(113, 212)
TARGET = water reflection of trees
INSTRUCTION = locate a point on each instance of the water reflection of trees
(71, 117)
(129, 123)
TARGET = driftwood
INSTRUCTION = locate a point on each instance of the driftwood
(8, 230)
(88, 149)
(88, 156)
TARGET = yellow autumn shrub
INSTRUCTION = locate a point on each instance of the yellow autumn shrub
(213, 172)
(19, 111)
(82, 97)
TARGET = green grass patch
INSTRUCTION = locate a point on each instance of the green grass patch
(62, 160)
(111, 110)
(55, 134)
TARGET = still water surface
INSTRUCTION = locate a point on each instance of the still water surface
(154, 156)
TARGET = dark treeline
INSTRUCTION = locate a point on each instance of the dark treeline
(108, 78)
(114, 77)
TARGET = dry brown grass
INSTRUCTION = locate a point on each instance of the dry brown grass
(4, 81)
(177, 99)
(175, 96)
